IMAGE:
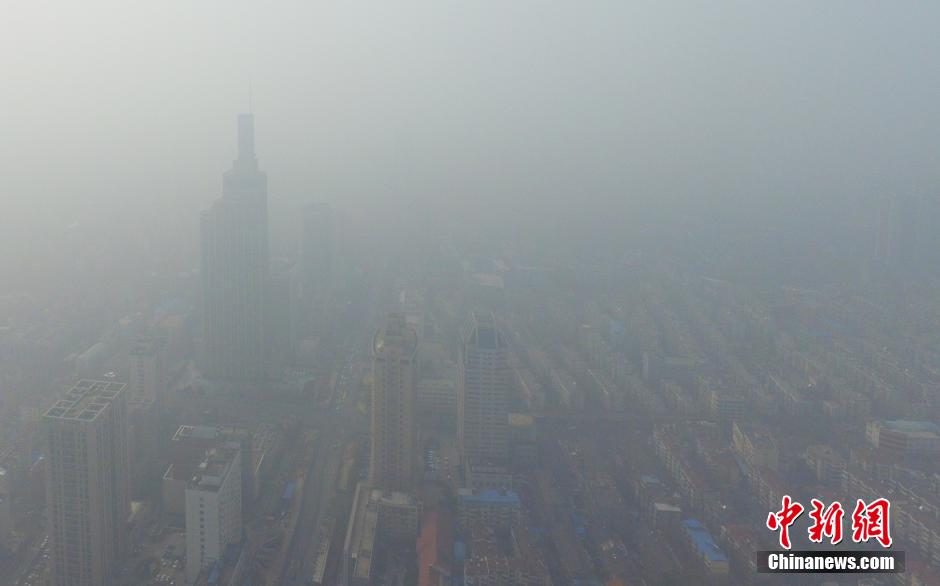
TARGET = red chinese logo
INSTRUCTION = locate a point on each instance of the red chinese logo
(871, 522)
(789, 512)
(826, 522)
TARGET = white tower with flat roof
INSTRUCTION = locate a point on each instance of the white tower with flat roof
(87, 482)
(213, 509)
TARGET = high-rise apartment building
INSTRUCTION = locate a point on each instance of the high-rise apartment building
(213, 508)
(145, 395)
(147, 369)
(483, 387)
(394, 432)
(87, 482)
(235, 268)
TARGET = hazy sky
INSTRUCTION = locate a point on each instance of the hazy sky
(125, 110)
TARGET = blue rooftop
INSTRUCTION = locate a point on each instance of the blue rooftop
(703, 541)
(289, 491)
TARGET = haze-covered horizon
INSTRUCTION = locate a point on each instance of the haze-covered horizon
(301, 293)
(113, 111)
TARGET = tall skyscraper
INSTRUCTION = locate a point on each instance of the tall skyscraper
(394, 433)
(483, 387)
(235, 268)
(87, 482)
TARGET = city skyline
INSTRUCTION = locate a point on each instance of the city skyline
(470, 294)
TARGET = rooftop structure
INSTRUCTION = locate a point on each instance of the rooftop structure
(487, 497)
(755, 446)
(189, 448)
(360, 539)
(500, 509)
(212, 471)
(213, 508)
(204, 432)
(905, 438)
(912, 427)
(85, 401)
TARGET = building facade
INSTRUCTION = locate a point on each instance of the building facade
(213, 508)
(87, 482)
(483, 387)
(147, 369)
(392, 464)
(188, 449)
(146, 387)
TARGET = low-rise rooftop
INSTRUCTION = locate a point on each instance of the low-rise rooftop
(703, 541)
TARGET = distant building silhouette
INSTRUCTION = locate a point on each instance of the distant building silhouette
(146, 388)
(6, 509)
(235, 268)
(394, 432)
(279, 315)
(899, 232)
(316, 248)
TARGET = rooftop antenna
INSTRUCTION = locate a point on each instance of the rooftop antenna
(250, 108)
